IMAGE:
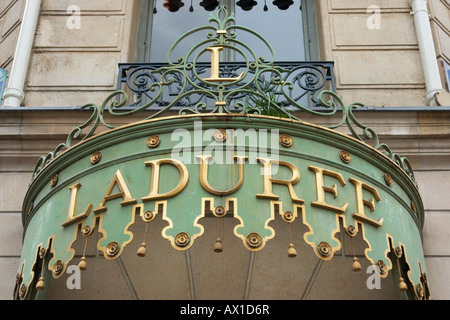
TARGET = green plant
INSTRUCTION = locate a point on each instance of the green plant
(265, 102)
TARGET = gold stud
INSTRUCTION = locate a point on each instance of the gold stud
(388, 179)
(382, 267)
(153, 141)
(219, 211)
(286, 140)
(288, 217)
(182, 239)
(54, 180)
(57, 268)
(324, 249)
(220, 135)
(112, 249)
(95, 157)
(345, 156)
(23, 291)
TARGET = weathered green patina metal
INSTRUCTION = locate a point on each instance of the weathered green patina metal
(252, 167)
(312, 162)
(223, 91)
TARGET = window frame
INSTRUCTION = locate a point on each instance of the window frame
(144, 29)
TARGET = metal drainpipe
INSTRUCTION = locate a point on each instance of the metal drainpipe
(14, 94)
(427, 51)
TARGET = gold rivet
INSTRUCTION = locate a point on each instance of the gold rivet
(23, 291)
(42, 253)
(219, 211)
(220, 135)
(351, 231)
(398, 252)
(419, 290)
(30, 208)
(345, 156)
(286, 140)
(86, 231)
(324, 249)
(54, 180)
(288, 216)
(96, 157)
(382, 267)
(182, 239)
(112, 249)
(254, 240)
(148, 216)
(153, 141)
(388, 179)
(57, 268)
(413, 206)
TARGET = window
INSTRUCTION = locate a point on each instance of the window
(289, 26)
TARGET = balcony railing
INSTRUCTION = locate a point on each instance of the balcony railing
(307, 79)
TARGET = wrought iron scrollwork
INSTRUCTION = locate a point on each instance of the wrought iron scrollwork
(255, 85)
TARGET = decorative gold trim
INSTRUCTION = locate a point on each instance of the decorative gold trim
(87, 231)
(95, 157)
(398, 252)
(42, 253)
(153, 141)
(247, 116)
(254, 240)
(413, 206)
(288, 216)
(148, 216)
(182, 239)
(124, 193)
(388, 179)
(112, 249)
(345, 156)
(286, 140)
(54, 180)
(204, 175)
(220, 135)
(351, 230)
(219, 211)
(324, 249)
(382, 267)
(23, 291)
(154, 186)
(57, 268)
(419, 291)
(30, 208)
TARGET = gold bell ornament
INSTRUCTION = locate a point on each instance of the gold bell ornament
(292, 253)
(356, 265)
(82, 265)
(402, 285)
(40, 285)
(142, 250)
(218, 246)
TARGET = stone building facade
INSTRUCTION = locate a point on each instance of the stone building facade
(379, 61)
